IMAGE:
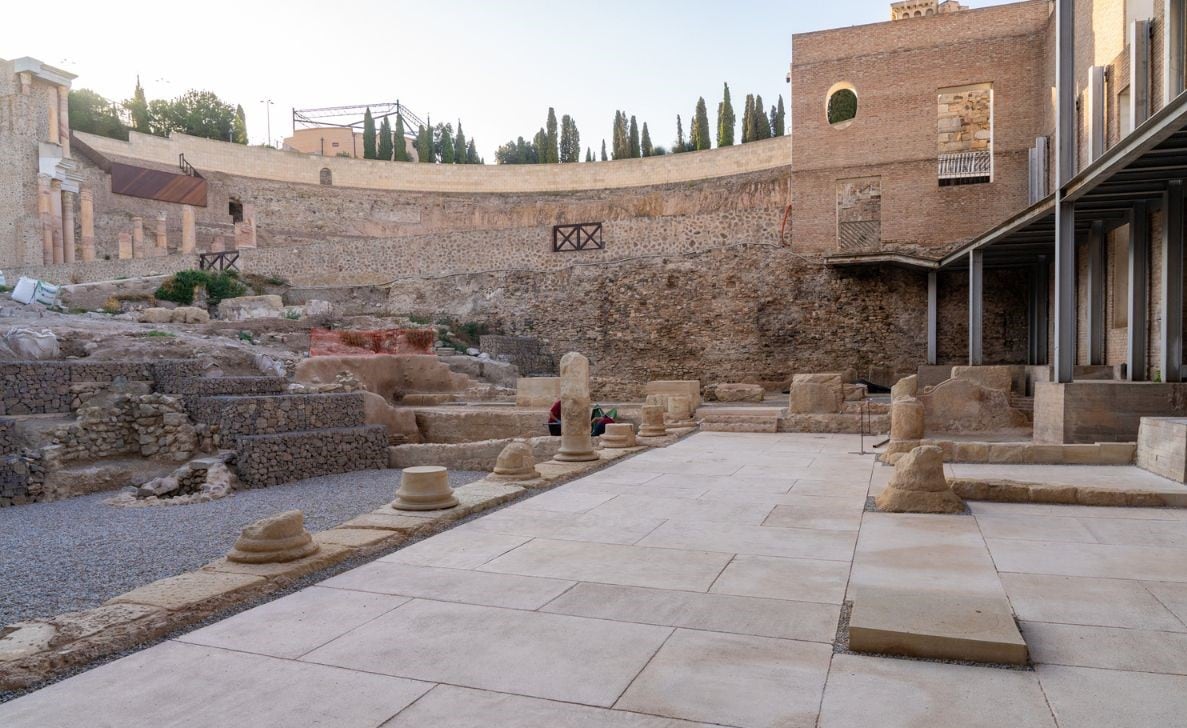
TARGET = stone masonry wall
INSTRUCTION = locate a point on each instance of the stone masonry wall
(151, 425)
(46, 386)
(265, 460)
(255, 415)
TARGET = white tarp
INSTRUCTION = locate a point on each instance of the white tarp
(28, 345)
(26, 289)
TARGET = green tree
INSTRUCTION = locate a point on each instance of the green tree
(399, 148)
(551, 152)
(443, 143)
(369, 151)
(779, 123)
(240, 135)
(762, 123)
(842, 106)
(588, 154)
(385, 149)
(748, 120)
(570, 144)
(459, 146)
(620, 146)
(680, 146)
(197, 113)
(646, 147)
(636, 151)
(93, 114)
(137, 107)
(604, 158)
(725, 120)
(424, 145)
(703, 139)
(472, 153)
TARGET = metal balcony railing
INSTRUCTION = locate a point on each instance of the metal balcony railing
(964, 165)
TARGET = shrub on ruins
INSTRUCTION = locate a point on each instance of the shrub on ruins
(179, 288)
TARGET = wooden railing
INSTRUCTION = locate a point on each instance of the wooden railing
(226, 260)
(582, 236)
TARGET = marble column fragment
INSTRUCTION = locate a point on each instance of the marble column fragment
(68, 226)
(86, 206)
(576, 438)
(138, 250)
(189, 236)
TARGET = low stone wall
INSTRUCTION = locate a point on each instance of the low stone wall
(216, 386)
(21, 478)
(42, 387)
(268, 414)
(529, 355)
(479, 455)
(463, 424)
(265, 460)
(8, 443)
(150, 425)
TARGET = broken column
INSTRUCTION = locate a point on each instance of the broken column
(679, 412)
(576, 438)
(125, 239)
(275, 539)
(189, 237)
(67, 227)
(86, 208)
(138, 250)
(43, 215)
(424, 488)
(619, 435)
(919, 486)
(905, 387)
(653, 421)
(516, 462)
(906, 419)
(162, 235)
(55, 213)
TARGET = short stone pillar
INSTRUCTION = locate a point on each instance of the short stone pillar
(919, 486)
(275, 539)
(189, 233)
(55, 214)
(424, 488)
(516, 462)
(217, 245)
(906, 419)
(576, 439)
(138, 250)
(619, 435)
(125, 245)
(67, 227)
(43, 216)
(162, 235)
(86, 209)
(679, 410)
(653, 421)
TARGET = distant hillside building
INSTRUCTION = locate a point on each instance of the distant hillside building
(334, 141)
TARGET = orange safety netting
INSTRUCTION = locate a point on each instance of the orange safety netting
(325, 342)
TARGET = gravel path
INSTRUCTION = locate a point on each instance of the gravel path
(77, 553)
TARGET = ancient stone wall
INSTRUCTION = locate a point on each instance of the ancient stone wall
(529, 355)
(254, 415)
(151, 425)
(265, 460)
(47, 386)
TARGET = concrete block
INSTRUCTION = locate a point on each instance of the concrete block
(1162, 447)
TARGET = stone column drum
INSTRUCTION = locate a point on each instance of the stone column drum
(906, 419)
(43, 213)
(138, 250)
(162, 234)
(276, 539)
(125, 245)
(576, 440)
(619, 435)
(653, 421)
(68, 227)
(86, 208)
(55, 215)
(515, 462)
(424, 488)
(189, 235)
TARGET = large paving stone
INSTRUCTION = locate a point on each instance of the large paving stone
(947, 626)
(452, 585)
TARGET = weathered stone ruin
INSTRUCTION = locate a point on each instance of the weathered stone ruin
(919, 486)
(576, 438)
(424, 488)
(516, 463)
(276, 539)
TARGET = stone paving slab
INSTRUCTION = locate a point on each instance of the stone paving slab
(1082, 697)
(451, 585)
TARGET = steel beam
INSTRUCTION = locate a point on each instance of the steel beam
(933, 300)
(1139, 71)
(1171, 359)
(1042, 309)
(1139, 292)
(1172, 50)
(1096, 293)
(1065, 213)
(1096, 111)
(976, 317)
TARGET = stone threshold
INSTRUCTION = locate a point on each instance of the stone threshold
(1012, 491)
(36, 651)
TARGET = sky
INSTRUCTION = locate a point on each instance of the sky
(496, 66)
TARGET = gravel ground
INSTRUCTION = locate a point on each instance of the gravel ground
(77, 553)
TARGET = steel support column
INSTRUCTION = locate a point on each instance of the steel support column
(976, 268)
(1171, 362)
(1096, 293)
(932, 314)
(1042, 308)
(1139, 292)
(1065, 169)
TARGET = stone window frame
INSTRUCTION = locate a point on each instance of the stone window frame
(828, 97)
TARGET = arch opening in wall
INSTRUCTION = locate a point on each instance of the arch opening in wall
(841, 105)
(235, 210)
(326, 177)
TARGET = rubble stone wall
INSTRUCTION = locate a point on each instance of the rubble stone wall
(44, 387)
(264, 460)
(257, 415)
(151, 425)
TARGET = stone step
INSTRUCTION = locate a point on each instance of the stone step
(739, 419)
(216, 386)
(272, 459)
(237, 415)
(935, 625)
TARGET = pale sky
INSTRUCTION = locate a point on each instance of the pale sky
(497, 66)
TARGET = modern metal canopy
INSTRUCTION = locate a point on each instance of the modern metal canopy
(351, 117)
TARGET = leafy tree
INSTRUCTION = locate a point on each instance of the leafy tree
(385, 140)
(748, 120)
(137, 107)
(424, 145)
(443, 143)
(658, 151)
(842, 106)
(589, 154)
(779, 123)
(540, 143)
(701, 127)
(197, 113)
(551, 153)
(570, 144)
(472, 154)
(459, 146)
(400, 150)
(369, 151)
(725, 120)
(604, 158)
(240, 134)
(646, 144)
(91, 113)
(680, 146)
(762, 123)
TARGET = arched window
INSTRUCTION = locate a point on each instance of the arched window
(326, 177)
(841, 107)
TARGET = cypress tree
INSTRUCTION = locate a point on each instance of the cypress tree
(646, 146)
(540, 144)
(780, 122)
(399, 151)
(368, 135)
(701, 126)
(385, 140)
(725, 120)
(621, 147)
(459, 146)
(762, 123)
(604, 158)
(636, 151)
(424, 145)
(447, 144)
(588, 154)
(552, 154)
(240, 125)
(570, 144)
(472, 153)
(748, 120)
(679, 135)
(138, 108)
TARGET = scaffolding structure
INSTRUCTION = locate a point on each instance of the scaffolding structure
(351, 117)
